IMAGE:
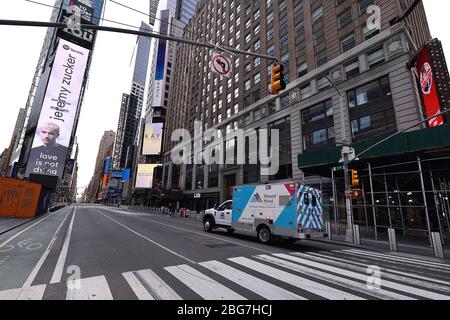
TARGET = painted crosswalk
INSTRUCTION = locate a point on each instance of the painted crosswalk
(332, 275)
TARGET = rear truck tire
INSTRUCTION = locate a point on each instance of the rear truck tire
(208, 224)
(264, 235)
(230, 230)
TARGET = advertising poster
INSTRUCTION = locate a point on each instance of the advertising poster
(54, 129)
(144, 179)
(152, 139)
(428, 89)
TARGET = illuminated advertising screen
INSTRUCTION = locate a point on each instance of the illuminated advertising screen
(144, 179)
(428, 89)
(152, 139)
(54, 128)
(80, 11)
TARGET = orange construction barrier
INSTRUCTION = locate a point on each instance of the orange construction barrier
(18, 198)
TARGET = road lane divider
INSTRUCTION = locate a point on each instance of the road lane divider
(59, 268)
(41, 261)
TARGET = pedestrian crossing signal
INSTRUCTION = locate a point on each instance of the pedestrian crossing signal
(277, 84)
(355, 178)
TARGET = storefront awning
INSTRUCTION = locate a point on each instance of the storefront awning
(404, 143)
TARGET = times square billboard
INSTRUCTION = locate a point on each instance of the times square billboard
(84, 12)
(51, 141)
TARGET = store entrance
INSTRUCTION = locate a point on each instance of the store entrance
(229, 183)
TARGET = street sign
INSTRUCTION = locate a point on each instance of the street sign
(338, 168)
(221, 65)
(353, 194)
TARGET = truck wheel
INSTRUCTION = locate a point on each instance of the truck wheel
(208, 224)
(264, 235)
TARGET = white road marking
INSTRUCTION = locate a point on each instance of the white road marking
(18, 234)
(258, 286)
(363, 277)
(147, 285)
(400, 259)
(41, 261)
(95, 288)
(149, 240)
(203, 285)
(212, 237)
(387, 272)
(29, 293)
(350, 284)
(299, 282)
(59, 268)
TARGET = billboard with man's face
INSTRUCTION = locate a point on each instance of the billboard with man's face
(54, 129)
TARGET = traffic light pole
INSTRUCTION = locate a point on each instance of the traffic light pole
(348, 202)
(135, 32)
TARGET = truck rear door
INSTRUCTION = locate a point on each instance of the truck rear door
(309, 210)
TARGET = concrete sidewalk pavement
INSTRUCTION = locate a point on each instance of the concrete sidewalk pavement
(8, 224)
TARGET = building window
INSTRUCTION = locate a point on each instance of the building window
(323, 83)
(345, 18)
(319, 37)
(301, 49)
(364, 4)
(369, 33)
(375, 58)
(321, 58)
(251, 169)
(284, 40)
(348, 43)
(285, 152)
(372, 110)
(302, 70)
(318, 126)
(351, 69)
(317, 15)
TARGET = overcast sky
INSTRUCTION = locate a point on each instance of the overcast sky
(110, 73)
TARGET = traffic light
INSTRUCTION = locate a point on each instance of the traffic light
(355, 178)
(278, 84)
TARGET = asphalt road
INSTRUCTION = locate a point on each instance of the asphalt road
(96, 252)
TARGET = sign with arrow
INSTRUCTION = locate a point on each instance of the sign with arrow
(221, 65)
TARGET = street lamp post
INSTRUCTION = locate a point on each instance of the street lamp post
(346, 151)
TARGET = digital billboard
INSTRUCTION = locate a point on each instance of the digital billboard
(84, 12)
(428, 88)
(54, 128)
(152, 139)
(144, 178)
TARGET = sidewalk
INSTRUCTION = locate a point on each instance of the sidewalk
(7, 224)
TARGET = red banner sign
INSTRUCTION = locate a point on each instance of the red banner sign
(428, 88)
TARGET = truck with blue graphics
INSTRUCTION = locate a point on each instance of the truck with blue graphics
(274, 211)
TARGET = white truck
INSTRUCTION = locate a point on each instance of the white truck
(274, 211)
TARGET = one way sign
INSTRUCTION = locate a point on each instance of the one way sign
(221, 65)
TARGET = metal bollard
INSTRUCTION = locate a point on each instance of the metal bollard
(392, 240)
(329, 236)
(437, 245)
(356, 236)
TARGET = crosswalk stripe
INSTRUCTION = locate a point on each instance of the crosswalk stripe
(350, 284)
(386, 271)
(363, 277)
(254, 284)
(95, 288)
(26, 293)
(147, 285)
(203, 285)
(299, 282)
(421, 263)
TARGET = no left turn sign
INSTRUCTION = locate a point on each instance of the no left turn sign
(221, 65)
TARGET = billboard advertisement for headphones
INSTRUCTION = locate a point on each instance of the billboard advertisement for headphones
(54, 129)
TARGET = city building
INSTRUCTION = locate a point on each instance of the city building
(153, 10)
(131, 106)
(6, 167)
(106, 144)
(349, 82)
